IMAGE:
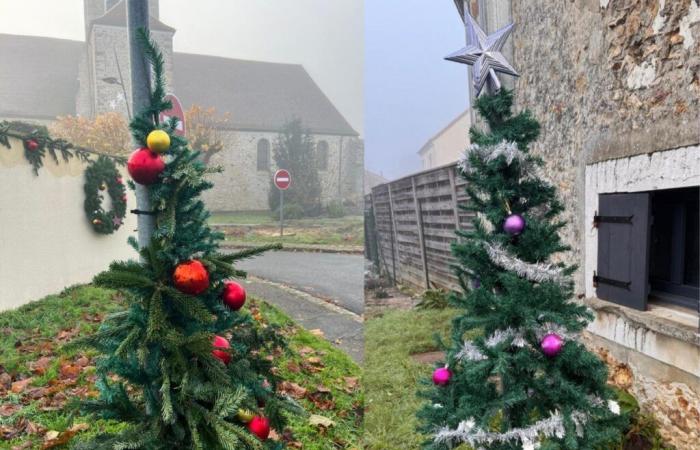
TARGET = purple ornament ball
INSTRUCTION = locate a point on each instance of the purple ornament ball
(514, 224)
(552, 344)
(441, 376)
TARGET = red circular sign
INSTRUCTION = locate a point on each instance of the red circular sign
(282, 179)
(175, 111)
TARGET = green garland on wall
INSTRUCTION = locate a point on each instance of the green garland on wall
(38, 143)
(101, 174)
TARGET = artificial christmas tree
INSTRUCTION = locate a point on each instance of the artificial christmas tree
(178, 365)
(519, 378)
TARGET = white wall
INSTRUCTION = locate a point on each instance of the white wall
(46, 242)
(661, 170)
(449, 145)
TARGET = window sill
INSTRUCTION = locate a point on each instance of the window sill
(675, 322)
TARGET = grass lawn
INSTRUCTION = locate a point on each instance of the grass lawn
(261, 228)
(38, 376)
(391, 375)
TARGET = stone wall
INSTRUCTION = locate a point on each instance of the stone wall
(606, 79)
(610, 81)
(103, 41)
(241, 187)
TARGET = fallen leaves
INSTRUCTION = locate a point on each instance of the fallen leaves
(321, 421)
(20, 385)
(54, 438)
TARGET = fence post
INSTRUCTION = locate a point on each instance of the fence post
(453, 187)
(394, 250)
(421, 240)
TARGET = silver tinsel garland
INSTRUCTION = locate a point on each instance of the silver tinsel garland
(468, 432)
(489, 153)
(469, 352)
(538, 273)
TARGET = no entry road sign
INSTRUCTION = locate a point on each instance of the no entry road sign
(175, 111)
(282, 179)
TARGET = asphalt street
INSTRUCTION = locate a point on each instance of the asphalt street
(334, 277)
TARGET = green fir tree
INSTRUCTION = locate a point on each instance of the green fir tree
(295, 150)
(156, 371)
(507, 383)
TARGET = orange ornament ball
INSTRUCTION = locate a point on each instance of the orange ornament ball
(191, 277)
(144, 166)
(233, 295)
(221, 343)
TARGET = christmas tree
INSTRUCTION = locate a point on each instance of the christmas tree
(515, 375)
(184, 366)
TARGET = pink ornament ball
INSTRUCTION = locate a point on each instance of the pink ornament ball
(514, 224)
(441, 376)
(551, 344)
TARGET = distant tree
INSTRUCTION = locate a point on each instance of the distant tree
(295, 150)
(205, 128)
(108, 132)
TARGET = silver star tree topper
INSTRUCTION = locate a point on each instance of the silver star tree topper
(483, 53)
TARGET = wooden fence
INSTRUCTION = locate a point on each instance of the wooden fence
(414, 222)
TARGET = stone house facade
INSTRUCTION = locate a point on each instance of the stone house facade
(615, 85)
(92, 77)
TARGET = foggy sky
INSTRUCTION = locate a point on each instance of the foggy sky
(411, 92)
(326, 37)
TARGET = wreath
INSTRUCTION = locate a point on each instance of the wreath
(100, 176)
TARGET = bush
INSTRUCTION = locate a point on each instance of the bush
(335, 209)
(291, 211)
(434, 299)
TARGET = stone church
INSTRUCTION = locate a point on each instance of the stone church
(42, 78)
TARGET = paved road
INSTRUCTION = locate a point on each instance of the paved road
(340, 327)
(337, 278)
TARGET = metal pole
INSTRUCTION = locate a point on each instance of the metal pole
(137, 17)
(281, 212)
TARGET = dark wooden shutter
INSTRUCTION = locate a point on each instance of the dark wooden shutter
(623, 249)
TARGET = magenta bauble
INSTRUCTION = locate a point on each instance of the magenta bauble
(551, 344)
(441, 376)
(31, 144)
(514, 224)
(144, 166)
(222, 355)
(233, 295)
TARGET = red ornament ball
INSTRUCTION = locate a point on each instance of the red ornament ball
(32, 144)
(144, 166)
(260, 427)
(233, 295)
(223, 356)
(441, 376)
(191, 277)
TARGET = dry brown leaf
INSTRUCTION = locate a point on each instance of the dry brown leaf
(40, 365)
(19, 386)
(351, 384)
(8, 409)
(292, 389)
(317, 332)
(70, 370)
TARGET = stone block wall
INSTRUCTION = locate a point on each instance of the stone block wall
(241, 187)
(103, 41)
(606, 79)
(612, 81)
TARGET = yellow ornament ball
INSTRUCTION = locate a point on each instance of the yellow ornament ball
(158, 141)
(245, 415)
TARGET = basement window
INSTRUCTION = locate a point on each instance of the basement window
(673, 265)
(648, 246)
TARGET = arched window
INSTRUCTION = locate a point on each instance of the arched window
(322, 155)
(263, 154)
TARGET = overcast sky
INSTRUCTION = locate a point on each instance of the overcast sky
(411, 92)
(325, 36)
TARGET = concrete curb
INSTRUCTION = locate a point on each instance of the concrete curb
(350, 250)
(310, 298)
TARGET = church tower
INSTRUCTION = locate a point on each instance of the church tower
(105, 83)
